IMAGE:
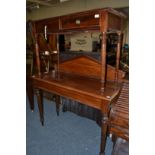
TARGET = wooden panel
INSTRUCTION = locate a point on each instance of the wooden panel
(82, 65)
(114, 22)
(53, 41)
(87, 66)
(65, 91)
(51, 23)
(80, 20)
(43, 46)
(111, 71)
(49, 45)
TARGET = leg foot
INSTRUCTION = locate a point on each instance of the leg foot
(42, 122)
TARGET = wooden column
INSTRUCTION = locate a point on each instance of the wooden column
(118, 55)
(58, 50)
(103, 61)
(57, 69)
(37, 54)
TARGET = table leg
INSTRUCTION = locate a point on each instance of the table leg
(40, 105)
(57, 104)
(104, 126)
(30, 94)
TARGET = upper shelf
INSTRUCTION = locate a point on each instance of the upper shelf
(99, 19)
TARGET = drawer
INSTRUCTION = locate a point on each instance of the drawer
(80, 20)
(52, 25)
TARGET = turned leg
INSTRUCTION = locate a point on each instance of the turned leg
(40, 105)
(104, 125)
(30, 94)
(57, 104)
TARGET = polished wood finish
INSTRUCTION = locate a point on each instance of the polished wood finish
(47, 45)
(82, 89)
(104, 20)
(103, 61)
(98, 19)
(79, 88)
(52, 41)
(118, 54)
(79, 81)
(37, 55)
(84, 20)
(114, 21)
(89, 67)
(52, 25)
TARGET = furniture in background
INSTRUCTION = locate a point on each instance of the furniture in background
(119, 114)
(29, 62)
(119, 121)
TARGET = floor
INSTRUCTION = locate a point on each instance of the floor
(67, 134)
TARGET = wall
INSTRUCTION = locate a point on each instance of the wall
(126, 32)
(83, 41)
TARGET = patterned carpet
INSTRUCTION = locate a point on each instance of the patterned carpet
(67, 134)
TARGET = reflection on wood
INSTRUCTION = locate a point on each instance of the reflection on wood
(87, 66)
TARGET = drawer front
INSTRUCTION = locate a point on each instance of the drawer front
(51, 24)
(83, 20)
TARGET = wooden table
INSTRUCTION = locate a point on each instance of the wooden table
(80, 88)
(82, 79)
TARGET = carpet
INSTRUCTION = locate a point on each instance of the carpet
(66, 134)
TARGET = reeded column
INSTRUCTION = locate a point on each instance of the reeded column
(103, 61)
(37, 54)
(118, 55)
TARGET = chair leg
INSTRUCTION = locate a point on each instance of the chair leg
(57, 104)
(40, 105)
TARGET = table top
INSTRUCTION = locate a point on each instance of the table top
(82, 84)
